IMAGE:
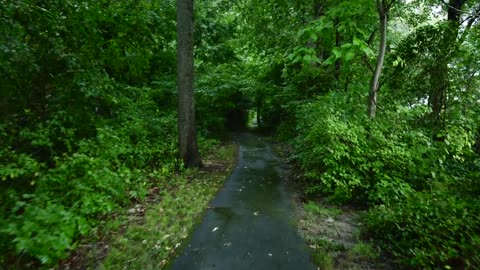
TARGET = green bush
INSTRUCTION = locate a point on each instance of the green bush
(67, 201)
(350, 157)
(56, 186)
(422, 187)
(46, 229)
(88, 115)
(426, 231)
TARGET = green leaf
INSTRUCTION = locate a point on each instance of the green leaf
(346, 46)
(357, 42)
(337, 53)
(330, 60)
(316, 59)
(297, 59)
(349, 55)
(367, 51)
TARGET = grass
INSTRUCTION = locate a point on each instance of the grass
(166, 225)
(364, 251)
(149, 234)
(324, 260)
(324, 212)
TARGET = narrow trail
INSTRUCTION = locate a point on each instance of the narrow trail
(250, 224)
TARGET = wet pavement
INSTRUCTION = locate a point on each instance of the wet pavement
(250, 224)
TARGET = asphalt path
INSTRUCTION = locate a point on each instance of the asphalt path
(251, 222)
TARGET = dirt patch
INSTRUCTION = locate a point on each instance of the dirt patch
(333, 234)
(336, 228)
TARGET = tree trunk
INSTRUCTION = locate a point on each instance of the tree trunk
(437, 98)
(338, 65)
(454, 9)
(372, 99)
(187, 134)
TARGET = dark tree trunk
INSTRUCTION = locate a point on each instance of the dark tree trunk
(437, 97)
(454, 7)
(338, 64)
(439, 72)
(187, 134)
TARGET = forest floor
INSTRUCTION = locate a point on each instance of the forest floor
(333, 234)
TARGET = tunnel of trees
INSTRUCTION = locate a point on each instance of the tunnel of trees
(379, 101)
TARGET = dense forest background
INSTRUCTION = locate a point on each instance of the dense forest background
(88, 112)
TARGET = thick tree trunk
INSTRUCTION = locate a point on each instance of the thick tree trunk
(187, 134)
(374, 84)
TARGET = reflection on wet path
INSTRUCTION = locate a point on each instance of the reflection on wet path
(250, 223)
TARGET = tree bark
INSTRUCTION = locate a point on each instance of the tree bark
(338, 64)
(374, 84)
(187, 134)
(439, 86)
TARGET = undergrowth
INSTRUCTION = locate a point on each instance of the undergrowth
(151, 242)
(421, 189)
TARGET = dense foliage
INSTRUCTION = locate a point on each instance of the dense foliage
(88, 118)
(88, 113)
(416, 164)
(82, 88)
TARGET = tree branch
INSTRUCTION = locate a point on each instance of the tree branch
(471, 20)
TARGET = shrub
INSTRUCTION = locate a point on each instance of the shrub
(350, 157)
(429, 230)
(57, 186)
